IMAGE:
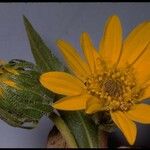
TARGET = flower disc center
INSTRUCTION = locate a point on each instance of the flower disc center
(112, 87)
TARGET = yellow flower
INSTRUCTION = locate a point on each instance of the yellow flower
(115, 78)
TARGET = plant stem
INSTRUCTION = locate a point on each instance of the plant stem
(103, 139)
(64, 130)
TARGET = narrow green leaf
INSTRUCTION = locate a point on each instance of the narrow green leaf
(43, 56)
(83, 128)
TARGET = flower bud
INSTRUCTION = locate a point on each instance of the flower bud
(23, 100)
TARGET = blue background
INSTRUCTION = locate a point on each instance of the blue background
(54, 21)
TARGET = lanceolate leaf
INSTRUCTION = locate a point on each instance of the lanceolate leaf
(43, 56)
(83, 128)
(84, 131)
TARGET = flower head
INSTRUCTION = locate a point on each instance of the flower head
(114, 79)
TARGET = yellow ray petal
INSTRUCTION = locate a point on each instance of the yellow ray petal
(111, 42)
(76, 64)
(62, 83)
(71, 103)
(93, 105)
(140, 113)
(88, 49)
(127, 127)
(135, 42)
(142, 64)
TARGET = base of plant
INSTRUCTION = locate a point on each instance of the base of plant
(55, 139)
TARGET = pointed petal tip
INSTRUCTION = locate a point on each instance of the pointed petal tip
(115, 17)
(111, 41)
(132, 142)
(57, 106)
(127, 126)
(92, 110)
(59, 41)
(54, 105)
(88, 112)
(72, 103)
(93, 105)
(85, 34)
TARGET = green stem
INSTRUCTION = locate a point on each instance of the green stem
(64, 130)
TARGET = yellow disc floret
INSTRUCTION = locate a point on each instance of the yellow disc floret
(116, 88)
